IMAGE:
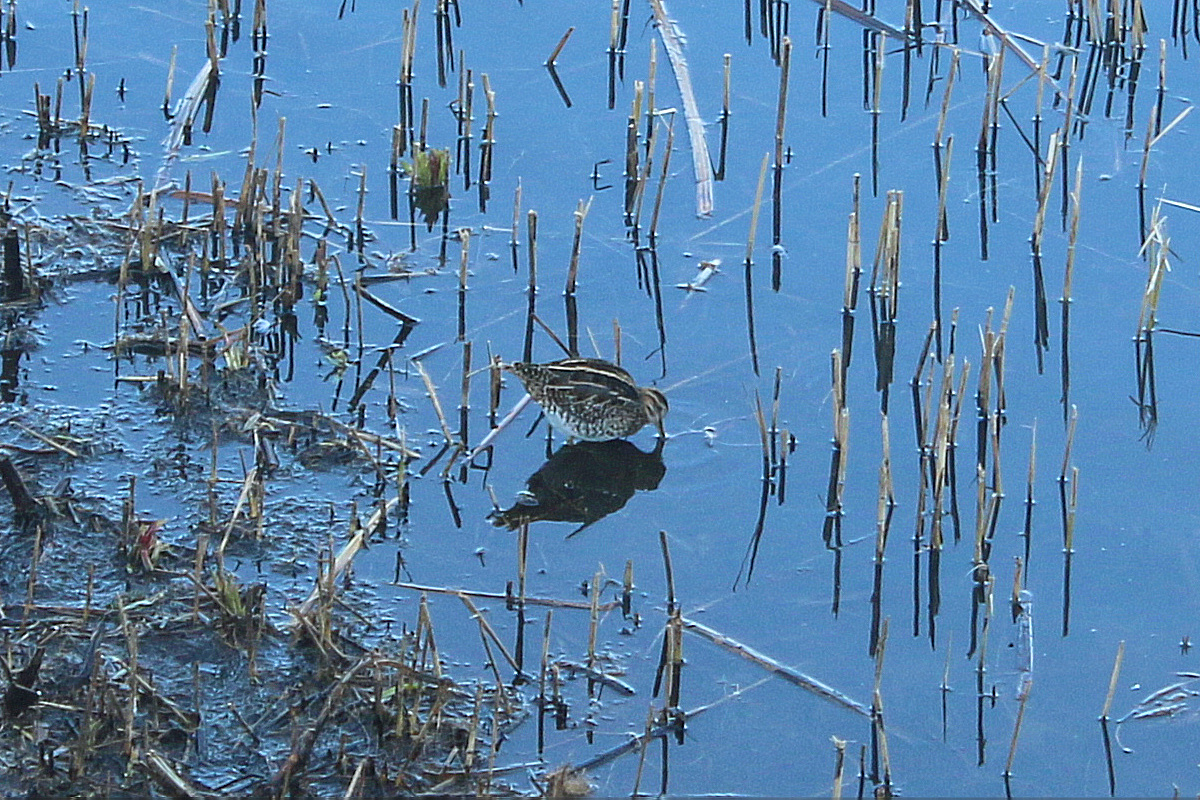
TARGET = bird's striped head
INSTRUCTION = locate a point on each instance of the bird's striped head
(655, 403)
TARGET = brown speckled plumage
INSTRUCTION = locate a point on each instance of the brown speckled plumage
(590, 398)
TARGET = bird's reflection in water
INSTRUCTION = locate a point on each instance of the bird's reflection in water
(584, 482)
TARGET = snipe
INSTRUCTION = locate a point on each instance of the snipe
(591, 399)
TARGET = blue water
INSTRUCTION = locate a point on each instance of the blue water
(1134, 575)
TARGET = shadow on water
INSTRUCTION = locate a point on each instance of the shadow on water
(584, 482)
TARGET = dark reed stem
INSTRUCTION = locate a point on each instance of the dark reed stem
(853, 276)
(876, 99)
(719, 174)
(632, 169)
(464, 237)
(531, 314)
(777, 187)
(884, 508)
(941, 236)
(1108, 698)
(880, 754)
(662, 180)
